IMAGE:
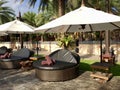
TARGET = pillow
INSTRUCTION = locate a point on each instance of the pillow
(4, 56)
(9, 55)
(48, 61)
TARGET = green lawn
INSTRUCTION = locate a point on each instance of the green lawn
(85, 66)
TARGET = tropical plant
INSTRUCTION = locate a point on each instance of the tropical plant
(43, 18)
(36, 19)
(6, 13)
(106, 5)
(29, 18)
(61, 6)
(58, 6)
(66, 42)
(43, 5)
(115, 6)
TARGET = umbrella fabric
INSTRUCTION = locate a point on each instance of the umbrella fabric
(78, 28)
(16, 26)
(94, 20)
(3, 34)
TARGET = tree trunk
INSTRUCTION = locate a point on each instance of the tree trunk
(107, 32)
(61, 7)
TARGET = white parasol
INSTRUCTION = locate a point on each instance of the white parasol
(82, 19)
(16, 26)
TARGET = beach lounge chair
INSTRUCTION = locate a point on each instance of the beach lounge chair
(16, 57)
(3, 50)
(66, 66)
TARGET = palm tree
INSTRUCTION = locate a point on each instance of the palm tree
(37, 19)
(62, 5)
(42, 18)
(29, 18)
(115, 6)
(103, 5)
(6, 13)
(59, 5)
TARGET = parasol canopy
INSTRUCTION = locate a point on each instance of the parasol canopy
(80, 20)
(16, 26)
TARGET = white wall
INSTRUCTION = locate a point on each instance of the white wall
(84, 48)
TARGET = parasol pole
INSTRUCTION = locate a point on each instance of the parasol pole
(101, 46)
(83, 3)
(21, 40)
(21, 35)
(37, 48)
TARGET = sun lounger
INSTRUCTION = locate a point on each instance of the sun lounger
(66, 66)
(15, 59)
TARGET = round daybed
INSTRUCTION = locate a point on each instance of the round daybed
(3, 50)
(66, 66)
(14, 61)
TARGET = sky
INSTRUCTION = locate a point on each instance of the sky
(22, 7)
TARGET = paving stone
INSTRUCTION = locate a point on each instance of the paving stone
(26, 80)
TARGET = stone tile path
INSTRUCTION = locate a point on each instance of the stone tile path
(26, 80)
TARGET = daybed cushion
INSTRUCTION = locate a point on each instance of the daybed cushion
(22, 53)
(57, 66)
(64, 59)
(65, 56)
(14, 61)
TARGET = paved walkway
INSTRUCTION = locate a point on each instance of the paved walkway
(27, 81)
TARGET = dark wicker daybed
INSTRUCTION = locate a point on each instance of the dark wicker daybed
(65, 68)
(3, 50)
(14, 60)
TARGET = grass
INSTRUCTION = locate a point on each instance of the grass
(41, 56)
(38, 55)
(85, 66)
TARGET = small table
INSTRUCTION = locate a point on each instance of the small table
(26, 65)
(35, 58)
(101, 71)
(101, 66)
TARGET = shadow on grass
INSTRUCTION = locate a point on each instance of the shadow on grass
(41, 56)
(85, 67)
(115, 70)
